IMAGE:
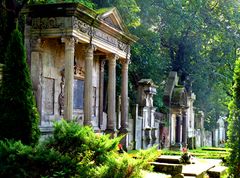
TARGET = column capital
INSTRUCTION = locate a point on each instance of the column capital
(37, 44)
(86, 46)
(124, 61)
(112, 56)
(69, 42)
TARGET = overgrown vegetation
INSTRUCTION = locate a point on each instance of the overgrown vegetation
(19, 117)
(72, 151)
(234, 125)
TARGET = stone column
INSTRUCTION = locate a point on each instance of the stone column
(184, 128)
(36, 70)
(111, 122)
(124, 104)
(88, 88)
(178, 128)
(101, 87)
(69, 76)
(124, 99)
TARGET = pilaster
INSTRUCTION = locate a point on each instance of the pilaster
(36, 70)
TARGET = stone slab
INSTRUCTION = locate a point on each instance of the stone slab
(217, 171)
(167, 168)
(200, 167)
(168, 159)
(155, 175)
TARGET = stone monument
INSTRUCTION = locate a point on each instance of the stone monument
(146, 110)
(68, 46)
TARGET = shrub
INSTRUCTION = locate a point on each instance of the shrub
(18, 160)
(72, 151)
(234, 125)
(19, 117)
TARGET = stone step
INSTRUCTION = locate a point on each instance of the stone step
(168, 159)
(217, 171)
(167, 168)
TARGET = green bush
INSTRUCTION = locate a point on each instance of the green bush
(234, 125)
(18, 160)
(19, 118)
(72, 151)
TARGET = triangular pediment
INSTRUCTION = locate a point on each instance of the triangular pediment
(112, 18)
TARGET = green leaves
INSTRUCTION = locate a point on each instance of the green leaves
(72, 151)
(234, 124)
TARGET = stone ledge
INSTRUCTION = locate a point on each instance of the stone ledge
(168, 159)
(172, 169)
(217, 172)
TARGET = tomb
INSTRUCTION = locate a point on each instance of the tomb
(179, 100)
(146, 126)
(73, 52)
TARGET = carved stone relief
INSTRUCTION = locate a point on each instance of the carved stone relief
(48, 22)
(80, 25)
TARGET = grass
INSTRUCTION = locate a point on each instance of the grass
(205, 152)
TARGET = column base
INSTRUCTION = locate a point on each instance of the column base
(111, 132)
(122, 131)
(87, 123)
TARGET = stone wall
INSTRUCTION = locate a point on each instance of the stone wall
(46, 72)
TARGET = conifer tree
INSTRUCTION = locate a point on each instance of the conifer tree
(234, 124)
(19, 117)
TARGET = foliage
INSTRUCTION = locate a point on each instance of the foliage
(209, 153)
(18, 160)
(234, 124)
(128, 9)
(19, 117)
(72, 151)
(199, 40)
(87, 3)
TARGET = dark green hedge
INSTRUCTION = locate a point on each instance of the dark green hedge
(72, 151)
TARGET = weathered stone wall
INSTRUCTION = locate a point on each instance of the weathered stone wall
(46, 72)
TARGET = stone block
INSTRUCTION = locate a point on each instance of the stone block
(167, 168)
(167, 159)
(217, 171)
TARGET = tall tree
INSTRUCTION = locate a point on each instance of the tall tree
(199, 40)
(19, 117)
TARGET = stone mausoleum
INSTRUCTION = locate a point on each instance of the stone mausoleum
(73, 52)
(179, 99)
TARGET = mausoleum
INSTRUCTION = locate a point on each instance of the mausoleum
(72, 50)
(179, 101)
